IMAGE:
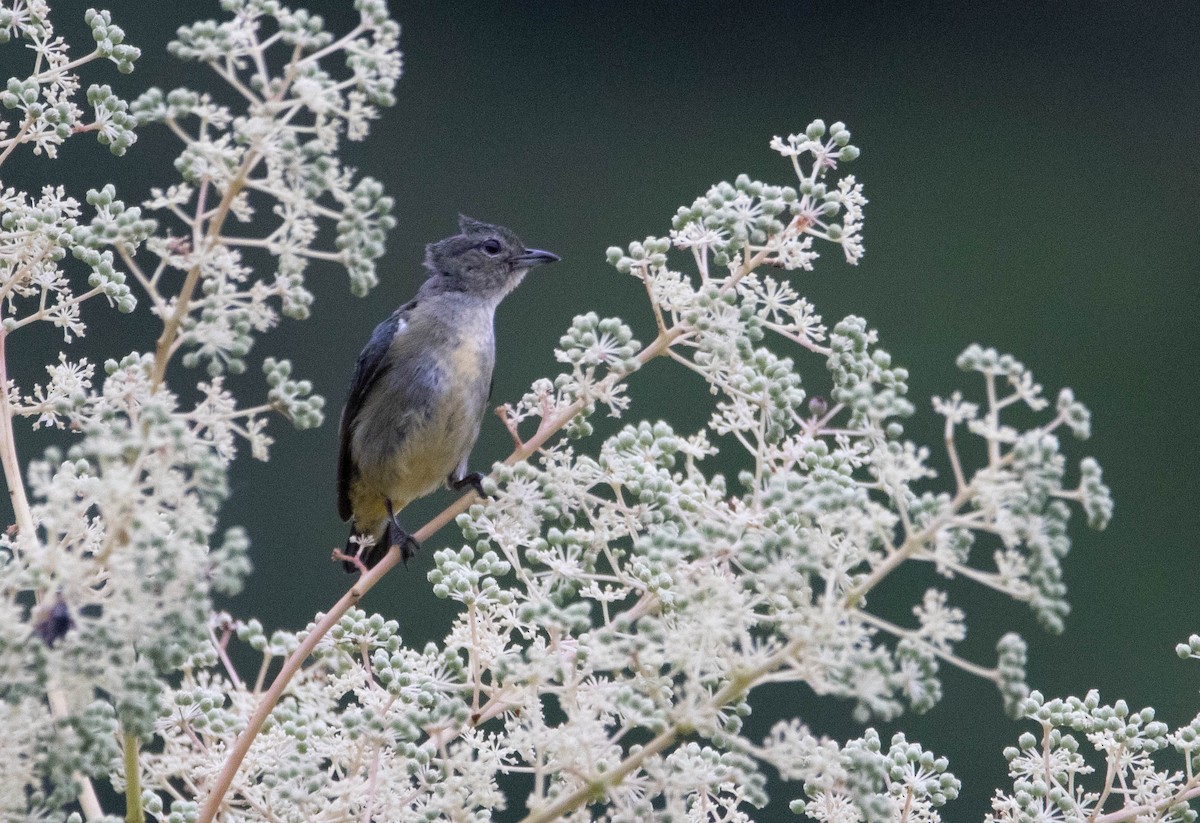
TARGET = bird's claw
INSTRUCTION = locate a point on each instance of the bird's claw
(474, 480)
(398, 537)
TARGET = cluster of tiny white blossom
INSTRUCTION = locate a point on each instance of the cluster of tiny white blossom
(1050, 772)
(619, 604)
(620, 600)
(106, 577)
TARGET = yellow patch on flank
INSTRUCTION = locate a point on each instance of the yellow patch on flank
(464, 360)
(426, 463)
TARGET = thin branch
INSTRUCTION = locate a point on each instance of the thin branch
(178, 131)
(658, 315)
(1189, 792)
(167, 341)
(915, 542)
(139, 275)
(275, 247)
(738, 685)
(171, 325)
(223, 656)
(241, 746)
(660, 346)
(952, 450)
(133, 782)
(473, 653)
(993, 418)
(42, 314)
(951, 658)
(50, 74)
(1110, 774)
(364, 584)
(14, 141)
(590, 788)
(229, 75)
(262, 673)
(368, 810)
(336, 45)
(784, 331)
(8, 455)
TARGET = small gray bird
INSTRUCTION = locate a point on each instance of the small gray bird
(422, 383)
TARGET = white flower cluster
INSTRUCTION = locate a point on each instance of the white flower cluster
(107, 574)
(1055, 779)
(620, 600)
(44, 102)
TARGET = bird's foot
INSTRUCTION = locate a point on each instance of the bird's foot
(396, 536)
(474, 480)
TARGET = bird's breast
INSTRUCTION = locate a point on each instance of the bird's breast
(469, 360)
(468, 368)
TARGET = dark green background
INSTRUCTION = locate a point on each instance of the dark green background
(1033, 178)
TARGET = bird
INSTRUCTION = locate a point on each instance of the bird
(421, 385)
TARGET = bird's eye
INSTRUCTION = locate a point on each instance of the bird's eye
(492, 246)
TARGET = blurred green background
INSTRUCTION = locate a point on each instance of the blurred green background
(1033, 178)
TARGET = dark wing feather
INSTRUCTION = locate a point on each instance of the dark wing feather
(365, 372)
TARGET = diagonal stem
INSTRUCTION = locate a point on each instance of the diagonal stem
(133, 784)
(295, 660)
(660, 346)
(8, 454)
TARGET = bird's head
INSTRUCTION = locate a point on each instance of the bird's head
(485, 260)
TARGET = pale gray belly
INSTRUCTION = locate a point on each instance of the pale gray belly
(405, 448)
(431, 449)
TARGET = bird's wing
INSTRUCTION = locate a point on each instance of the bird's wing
(365, 372)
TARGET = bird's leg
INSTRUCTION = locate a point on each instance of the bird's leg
(474, 480)
(397, 536)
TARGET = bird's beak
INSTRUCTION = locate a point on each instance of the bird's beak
(536, 257)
